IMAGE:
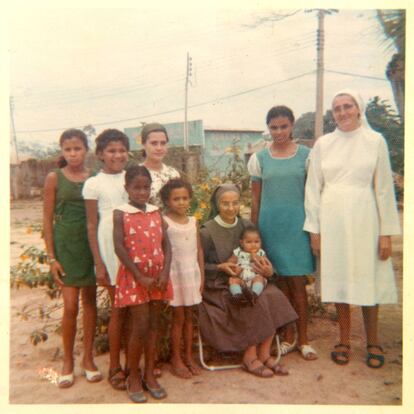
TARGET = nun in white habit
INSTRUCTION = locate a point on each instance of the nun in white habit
(351, 214)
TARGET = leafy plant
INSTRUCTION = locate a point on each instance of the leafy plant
(33, 270)
(383, 119)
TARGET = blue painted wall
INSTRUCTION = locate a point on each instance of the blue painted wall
(218, 145)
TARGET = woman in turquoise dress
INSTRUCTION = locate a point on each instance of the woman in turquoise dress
(70, 259)
(278, 175)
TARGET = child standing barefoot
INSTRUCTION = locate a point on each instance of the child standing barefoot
(71, 261)
(142, 246)
(187, 273)
(102, 193)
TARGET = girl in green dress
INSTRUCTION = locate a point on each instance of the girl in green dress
(70, 259)
(278, 175)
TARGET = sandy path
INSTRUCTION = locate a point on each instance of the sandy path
(316, 382)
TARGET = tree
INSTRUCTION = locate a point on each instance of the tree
(305, 125)
(393, 26)
(384, 120)
(90, 131)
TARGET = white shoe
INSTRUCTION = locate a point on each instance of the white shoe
(65, 381)
(286, 347)
(308, 352)
(93, 376)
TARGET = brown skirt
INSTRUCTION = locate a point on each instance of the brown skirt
(230, 328)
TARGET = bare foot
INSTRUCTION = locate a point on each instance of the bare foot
(180, 371)
(193, 367)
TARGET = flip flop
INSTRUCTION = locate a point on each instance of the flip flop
(181, 372)
(341, 357)
(66, 381)
(376, 357)
(92, 376)
(308, 353)
(137, 396)
(158, 393)
(117, 381)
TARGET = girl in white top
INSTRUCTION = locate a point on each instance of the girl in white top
(186, 274)
(351, 214)
(102, 193)
(154, 139)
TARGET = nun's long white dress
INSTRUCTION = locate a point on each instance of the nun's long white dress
(350, 201)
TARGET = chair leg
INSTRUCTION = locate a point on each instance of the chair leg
(211, 367)
(279, 353)
(224, 367)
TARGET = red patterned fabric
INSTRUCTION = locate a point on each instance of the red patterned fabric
(142, 239)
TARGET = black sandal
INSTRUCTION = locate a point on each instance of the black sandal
(341, 357)
(118, 382)
(377, 357)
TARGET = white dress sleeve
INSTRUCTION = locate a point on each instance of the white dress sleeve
(174, 173)
(313, 190)
(253, 167)
(90, 189)
(384, 193)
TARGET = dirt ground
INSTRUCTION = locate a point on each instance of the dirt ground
(33, 368)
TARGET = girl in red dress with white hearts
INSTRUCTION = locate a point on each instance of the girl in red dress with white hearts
(142, 285)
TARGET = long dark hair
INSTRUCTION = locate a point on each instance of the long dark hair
(69, 134)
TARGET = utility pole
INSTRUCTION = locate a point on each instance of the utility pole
(319, 75)
(320, 48)
(11, 103)
(187, 80)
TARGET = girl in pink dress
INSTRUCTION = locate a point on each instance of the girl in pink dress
(142, 284)
(187, 273)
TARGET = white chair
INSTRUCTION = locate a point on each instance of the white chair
(229, 366)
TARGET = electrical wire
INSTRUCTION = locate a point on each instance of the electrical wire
(356, 75)
(176, 109)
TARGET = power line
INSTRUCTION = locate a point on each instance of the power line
(356, 75)
(75, 95)
(63, 101)
(176, 109)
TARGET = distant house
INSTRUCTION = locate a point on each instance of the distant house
(218, 145)
(175, 132)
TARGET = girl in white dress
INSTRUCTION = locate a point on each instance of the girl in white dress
(186, 274)
(351, 214)
(154, 139)
(102, 193)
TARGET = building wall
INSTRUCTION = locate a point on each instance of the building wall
(175, 132)
(220, 146)
(27, 178)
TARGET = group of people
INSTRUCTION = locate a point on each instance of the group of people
(130, 231)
